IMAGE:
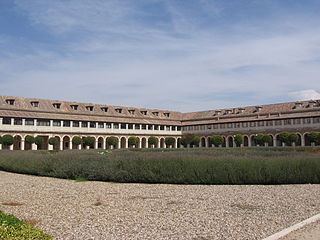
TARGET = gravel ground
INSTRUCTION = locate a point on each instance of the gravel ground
(309, 232)
(99, 210)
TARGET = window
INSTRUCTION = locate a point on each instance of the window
(173, 128)
(137, 126)
(260, 123)
(222, 125)
(178, 128)
(56, 123)
(34, 104)
(84, 124)
(229, 125)
(108, 125)
(252, 124)
(143, 126)
(277, 122)
(269, 123)
(245, 124)
(131, 111)
(10, 101)
(306, 120)
(18, 121)
(43, 122)
(93, 124)
(89, 108)
(116, 125)
(155, 113)
(287, 122)
(130, 126)
(167, 128)
(156, 127)
(29, 122)
(104, 109)
(66, 123)
(74, 107)
(166, 114)
(215, 126)
(149, 127)
(316, 120)
(237, 125)
(296, 121)
(143, 112)
(100, 125)
(75, 124)
(118, 110)
(161, 127)
(6, 121)
(57, 105)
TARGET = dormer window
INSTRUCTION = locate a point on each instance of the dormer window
(104, 109)
(241, 110)
(217, 112)
(131, 111)
(166, 114)
(297, 105)
(89, 108)
(74, 107)
(143, 112)
(155, 113)
(228, 111)
(311, 104)
(258, 109)
(34, 104)
(118, 110)
(10, 101)
(57, 105)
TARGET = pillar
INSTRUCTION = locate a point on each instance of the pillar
(12, 122)
(96, 144)
(61, 144)
(80, 146)
(274, 141)
(22, 144)
(104, 144)
(50, 147)
(303, 142)
(140, 143)
(249, 141)
(70, 143)
(0, 146)
(176, 143)
(34, 146)
(227, 142)
(119, 143)
(158, 143)
(11, 147)
(126, 146)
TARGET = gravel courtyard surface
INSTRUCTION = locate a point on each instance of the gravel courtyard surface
(308, 232)
(98, 210)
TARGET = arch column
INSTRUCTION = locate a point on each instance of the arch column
(303, 142)
(175, 143)
(119, 143)
(158, 143)
(70, 144)
(11, 147)
(104, 143)
(34, 146)
(274, 141)
(249, 141)
(96, 143)
(139, 143)
(126, 146)
(0, 146)
(61, 144)
(227, 142)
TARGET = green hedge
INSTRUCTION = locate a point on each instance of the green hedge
(227, 166)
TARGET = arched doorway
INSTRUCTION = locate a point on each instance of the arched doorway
(123, 142)
(66, 142)
(100, 142)
(178, 142)
(224, 142)
(143, 142)
(245, 141)
(162, 144)
(278, 141)
(270, 144)
(17, 142)
(230, 141)
(203, 142)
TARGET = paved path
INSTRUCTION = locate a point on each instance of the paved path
(99, 210)
(309, 232)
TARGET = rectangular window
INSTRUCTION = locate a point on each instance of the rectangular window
(173, 128)
(215, 126)
(222, 125)
(137, 126)
(130, 126)
(43, 122)
(100, 125)
(245, 124)
(306, 120)
(93, 124)
(260, 123)
(278, 122)
(18, 121)
(161, 127)
(237, 125)
(56, 123)
(108, 125)
(297, 121)
(178, 128)
(252, 124)
(156, 127)
(229, 125)
(167, 128)
(84, 124)
(287, 122)
(116, 125)
(29, 122)
(6, 121)
(143, 126)
(123, 126)
(149, 127)
(269, 123)
(75, 124)
(66, 123)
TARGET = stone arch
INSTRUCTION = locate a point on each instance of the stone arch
(224, 142)
(278, 142)
(66, 142)
(143, 142)
(178, 142)
(306, 140)
(45, 142)
(17, 141)
(299, 142)
(230, 141)
(57, 145)
(246, 141)
(162, 143)
(123, 142)
(27, 146)
(272, 141)
(253, 144)
(100, 142)
(203, 142)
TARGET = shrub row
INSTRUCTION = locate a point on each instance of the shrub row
(227, 166)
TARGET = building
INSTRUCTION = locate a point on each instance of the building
(63, 120)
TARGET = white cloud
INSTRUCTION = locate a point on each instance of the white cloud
(309, 94)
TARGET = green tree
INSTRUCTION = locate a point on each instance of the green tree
(89, 141)
(112, 141)
(288, 138)
(38, 140)
(266, 139)
(314, 137)
(261, 139)
(76, 141)
(133, 141)
(53, 141)
(238, 139)
(186, 140)
(7, 140)
(29, 139)
(292, 138)
(153, 141)
(195, 141)
(216, 140)
(169, 141)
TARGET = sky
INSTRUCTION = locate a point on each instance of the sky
(182, 55)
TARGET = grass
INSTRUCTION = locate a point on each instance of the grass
(15, 229)
(177, 166)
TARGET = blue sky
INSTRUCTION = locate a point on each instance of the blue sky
(184, 55)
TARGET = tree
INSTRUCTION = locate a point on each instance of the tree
(133, 141)
(238, 139)
(186, 140)
(288, 138)
(169, 141)
(7, 140)
(293, 138)
(195, 141)
(29, 139)
(216, 140)
(266, 139)
(76, 141)
(38, 140)
(153, 140)
(261, 139)
(112, 141)
(53, 141)
(89, 141)
(314, 137)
